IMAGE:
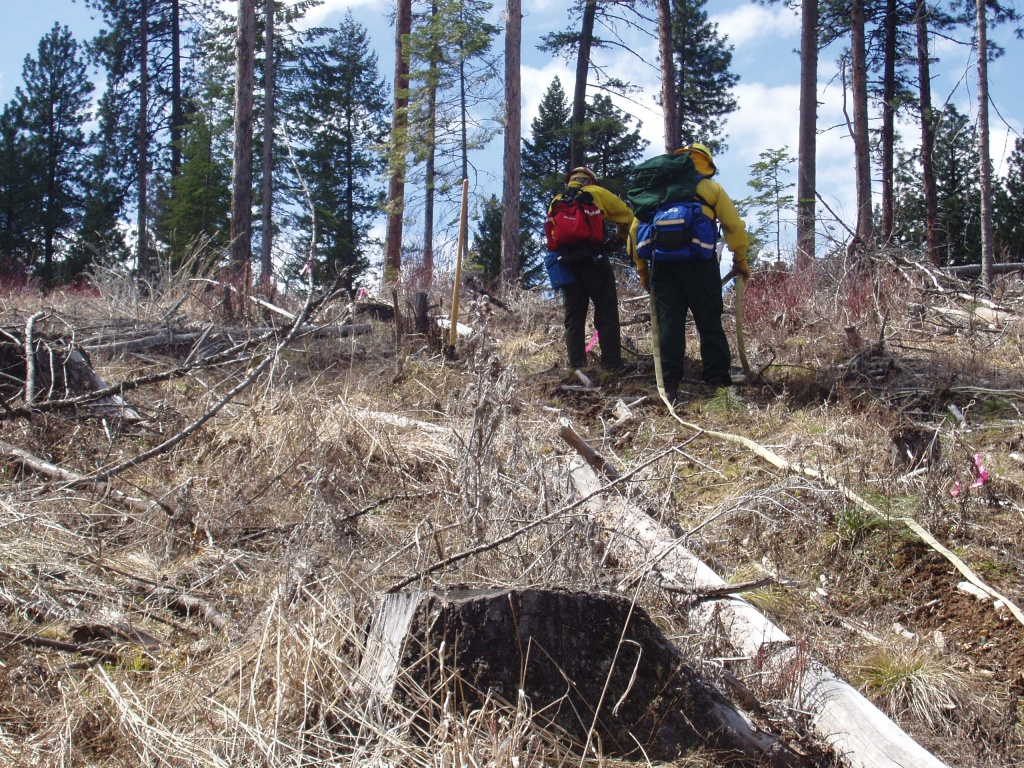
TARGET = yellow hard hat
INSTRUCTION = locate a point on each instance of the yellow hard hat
(581, 171)
(699, 148)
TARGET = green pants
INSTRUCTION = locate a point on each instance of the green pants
(693, 285)
(595, 282)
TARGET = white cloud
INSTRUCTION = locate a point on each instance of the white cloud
(337, 8)
(748, 23)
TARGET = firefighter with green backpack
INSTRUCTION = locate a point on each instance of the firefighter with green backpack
(579, 266)
(678, 207)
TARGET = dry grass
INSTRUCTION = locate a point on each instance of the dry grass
(347, 469)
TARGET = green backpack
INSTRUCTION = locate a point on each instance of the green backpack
(662, 180)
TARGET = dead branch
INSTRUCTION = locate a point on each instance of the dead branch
(101, 655)
(74, 479)
(713, 593)
(188, 605)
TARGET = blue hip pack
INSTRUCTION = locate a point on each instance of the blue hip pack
(558, 273)
(676, 232)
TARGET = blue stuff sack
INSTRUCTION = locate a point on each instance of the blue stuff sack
(558, 274)
(677, 231)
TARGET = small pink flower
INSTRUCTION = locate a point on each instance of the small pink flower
(956, 488)
(593, 342)
(982, 472)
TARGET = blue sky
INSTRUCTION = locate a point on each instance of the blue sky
(764, 40)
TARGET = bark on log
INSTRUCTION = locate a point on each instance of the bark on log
(592, 667)
(971, 270)
(861, 735)
(170, 340)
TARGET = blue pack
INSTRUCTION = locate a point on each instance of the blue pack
(676, 232)
(558, 273)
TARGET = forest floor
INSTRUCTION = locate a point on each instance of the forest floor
(205, 604)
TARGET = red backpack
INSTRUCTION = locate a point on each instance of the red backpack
(574, 222)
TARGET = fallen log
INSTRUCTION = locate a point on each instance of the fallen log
(167, 339)
(593, 667)
(861, 735)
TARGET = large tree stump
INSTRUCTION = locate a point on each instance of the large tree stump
(57, 371)
(594, 667)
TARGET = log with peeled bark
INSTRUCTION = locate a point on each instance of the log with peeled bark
(591, 667)
(860, 735)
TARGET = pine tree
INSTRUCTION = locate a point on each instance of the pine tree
(337, 116)
(704, 83)
(486, 251)
(452, 74)
(16, 219)
(612, 149)
(55, 108)
(767, 179)
(1009, 207)
(197, 211)
(545, 158)
(957, 182)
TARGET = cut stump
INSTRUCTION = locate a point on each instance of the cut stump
(591, 667)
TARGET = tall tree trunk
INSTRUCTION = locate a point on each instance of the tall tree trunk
(241, 172)
(267, 241)
(513, 141)
(146, 271)
(429, 170)
(807, 165)
(464, 145)
(176, 116)
(862, 155)
(399, 141)
(888, 119)
(579, 97)
(668, 76)
(931, 205)
(987, 246)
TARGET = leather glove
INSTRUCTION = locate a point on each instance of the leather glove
(644, 273)
(741, 267)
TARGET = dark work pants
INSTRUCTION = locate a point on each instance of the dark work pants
(595, 282)
(694, 285)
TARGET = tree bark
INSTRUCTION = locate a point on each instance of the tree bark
(267, 241)
(931, 206)
(146, 271)
(862, 155)
(807, 165)
(399, 139)
(429, 170)
(888, 120)
(577, 155)
(176, 116)
(668, 76)
(513, 144)
(987, 246)
(241, 172)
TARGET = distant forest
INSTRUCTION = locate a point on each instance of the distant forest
(253, 146)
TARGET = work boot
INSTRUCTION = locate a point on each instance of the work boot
(672, 391)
